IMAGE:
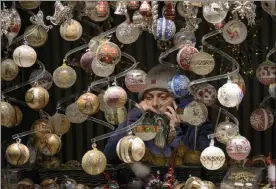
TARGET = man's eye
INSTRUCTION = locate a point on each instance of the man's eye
(148, 98)
(163, 97)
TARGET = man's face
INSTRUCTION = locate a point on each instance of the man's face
(158, 99)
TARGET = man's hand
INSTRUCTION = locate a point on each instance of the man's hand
(143, 104)
(174, 118)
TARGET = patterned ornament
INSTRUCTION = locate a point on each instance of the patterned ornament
(29, 5)
(102, 70)
(88, 103)
(135, 80)
(261, 119)
(44, 125)
(17, 154)
(130, 149)
(108, 53)
(91, 12)
(102, 8)
(183, 37)
(18, 115)
(37, 97)
(24, 56)
(45, 81)
(127, 33)
(115, 116)
(186, 9)
(68, 183)
(226, 131)
(272, 89)
(230, 95)
(64, 76)
(178, 86)
(9, 69)
(86, 61)
(60, 124)
(215, 12)
(266, 72)
(93, 162)
(145, 8)
(205, 93)
(115, 97)
(245, 9)
(165, 29)
(234, 32)
(238, 148)
(7, 114)
(168, 11)
(202, 63)
(74, 115)
(49, 144)
(185, 55)
(137, 17)
(35, 35)
(145, 131)
(269, 7)
(239, 81)
(70, 30)
(133, 5)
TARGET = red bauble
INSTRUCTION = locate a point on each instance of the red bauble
(169, 11)
(185, 55)
(266, 73)
(261, 119)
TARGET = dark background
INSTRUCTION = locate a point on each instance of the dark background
(77, 141)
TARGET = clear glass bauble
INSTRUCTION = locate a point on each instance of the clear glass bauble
(178, 85)
(17, 154)
(64, 76)
(44, 125)
(230, 95)
(88, 103)
(238, 148)
(68, 183)
(14, 24)
(36, 36)
(272, 90)
(108, 53)
(115, 116)
(226, 130)
(115, 97)
(70, 30)
(202, 63)
(49, 144)
(45, 81)
(24, 56)
(164, 29)
(74, 115)
(185, 55)
(94, 162)
(86, 61)
(205, 93)
(265, 72)
(212, 158)
(37, 97)
(102, 70)
(7, 114)
(29, 5)
(185, 9)
(215, 12)
(261, 119)
(183, 37)
(135, 80)
(234, 32)
(127, 33)
(9, 69)
(60, 123)
(137, 17)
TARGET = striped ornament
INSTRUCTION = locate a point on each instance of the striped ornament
(165, 29)
(261, 119)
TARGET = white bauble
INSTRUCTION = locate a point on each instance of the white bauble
(215, 12)
(234, 32)
(102, 70)
(24, 56)
(230, 95)
(127, 33)
(212, 158)
(226, 130)
(74, 115)
(202, 63)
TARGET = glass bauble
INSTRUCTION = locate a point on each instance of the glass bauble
(45, 81)
(7, 114)
(102, 8)
(226, 130)
(272, 90)
(127, 33)
(239, 81)
(178, 86)
(9, 69)
(60, 124)
(115, 97)
(64, 76)
(74, 115)
(36, 36)
(29, 5)
(44, 125)
(17, 154)
(137, 17)
(94, 162)
(86, 61)
(37, 97)
(94, 44)
(70, 30)
(238, 148)
(133, 5)
(183, 37)
(144, 8)
(185, 55)
(88, 103)
(115, 116)
(205, 93)
(92, 13)
(266, 73)
(212, 158)
(108, 53)
(14, 24)
(130, 149)
(168, 11)
(215, 12)
(234, 32)
(18, 115)
(269, 7)
(135, 80)
(49, 144)
(160, 140)
(186, 10)
(103, 106)
(68, 183)
(24, 56)
(202, 63)
(165, 29)
(261, 119)
(49, 184)
(230, 95)
(102, 70)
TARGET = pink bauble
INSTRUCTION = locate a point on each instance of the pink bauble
(261, 119)
(115, 97)
(185, 55)
(266, 73)
(238, 148)
(86, 61)
(206, 93)
(135, 80)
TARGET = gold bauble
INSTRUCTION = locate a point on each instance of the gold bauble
(7, 114)
(37, 97)
(25, 183)
(93, 162)
(49, 184)
(9, 69)
(53, 162)
(181, 150)
(159, 160)
(88, 103)
(64, 76)
(192, 157)
(18, 115)
(70, 30)
(42, 124)
(208, 185)
(36, 36)
(17, 154)
(60, 123)
(49, 144)
(29, 4)
(193, 183)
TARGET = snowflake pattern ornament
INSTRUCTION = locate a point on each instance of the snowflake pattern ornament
(245, 9)
(205, 93)
(165, 29)
(215, 12)
(178, 86)
(238, 148)
(261, 119)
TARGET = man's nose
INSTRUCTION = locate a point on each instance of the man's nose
(155, 103)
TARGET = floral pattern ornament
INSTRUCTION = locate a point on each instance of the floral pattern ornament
(185, 55)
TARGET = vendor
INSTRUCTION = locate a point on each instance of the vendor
(152, 97)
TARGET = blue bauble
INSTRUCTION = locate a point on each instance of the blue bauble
(165, 29)
(178, 86)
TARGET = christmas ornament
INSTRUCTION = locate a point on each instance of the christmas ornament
(45, 81)
(207, 185)
(168, 11)
(49, 183)
(115, 97)
(178, 86)
(64, 76)
(93, 162)
(146, 131)
(135, 80)
(86, 61)
(239, 81)
(238, 148)
(127, 32)
(133, 5)
(43, 125)
(137, 17)
(24, 56)
(212, 157)
(193, 182)
(245, 9)
(70, 30)
(49, 144)
(60, 124)
(269, 7)
(234, 32)
(230, 94)
(205, 93)
(18, 115)
(68, 183)
(108, 53)
(37, 97)
(25, 183)
(202, 63)
(103, 107)
(7, 114)
(102, 70)
(102, 8)
(226, 131)
(88, 103)
(29, 5)
(272, 89)
(261, 119)
(52, 162)
(38, 20)
(74, 115)
(266, 73)
(164, 30)
(115, 116)
(186, 9)
(184, 37)
(271, 170)
(17, 154)
(185, 55)
(145, 8)
(130, 149)
(9, 69)
(90, 11)
(121, 8)
(215, 12)
(35, 35)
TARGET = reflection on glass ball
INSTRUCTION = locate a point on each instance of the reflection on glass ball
(261, 119)
(185, 55)
(205, 93)
(234, 32)
(178, 86)
(230, 95)
(36, 36)
(135, 80)
(74, 115)
(94, 162)
(37, 97)
(202, 63)
(227, 131)
(68, 183)
(266, 72)
(238, 148)
(127, 33)
(212, 158)
(88, 103)
(86, 61)
(164, 30)
(70, 30)
(272, 90)
(215, 12)
(24, 56)
(49, 144)
(183, 37)
(115, 116)
(7, 114)
(60, 123)
(29, 5)
(17, 154)
(102, 70)
(18, 115)
(115, 97)
(45, 81)
(9, 69)
(64, 76)
(108, 53)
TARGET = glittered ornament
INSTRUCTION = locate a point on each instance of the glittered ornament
(93, 14)
(234, 32)
(239, 81)
(17, 154)
(70, 30)
(127, 32)
(7, 114)
(64, 76)
(45, 81)
(184, 37)
(29, 5)
(202, 63)
(9, 69)
(133, 5)
(86, 61)
(185, 55)
(272, 89)
(108, 53)
(24, 56)
(43, 126)
(37, 97)
(18, 115)
(168, 11)
(115, 97)
(74, 115)
(205, 93)
(178, 85)
(137, 17)
(226, 130)
(215, 12)
(35, 35)
(186, 9)
(165, 29)
(266, 73)
(102, 70)
(135, 80)
(115, 116)
(145, 8)
(11, 23)
(261, 119)
(60, 124)
(88, 103)
(49, 144)
(94, 162)
(68, 183)
(238, 148)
